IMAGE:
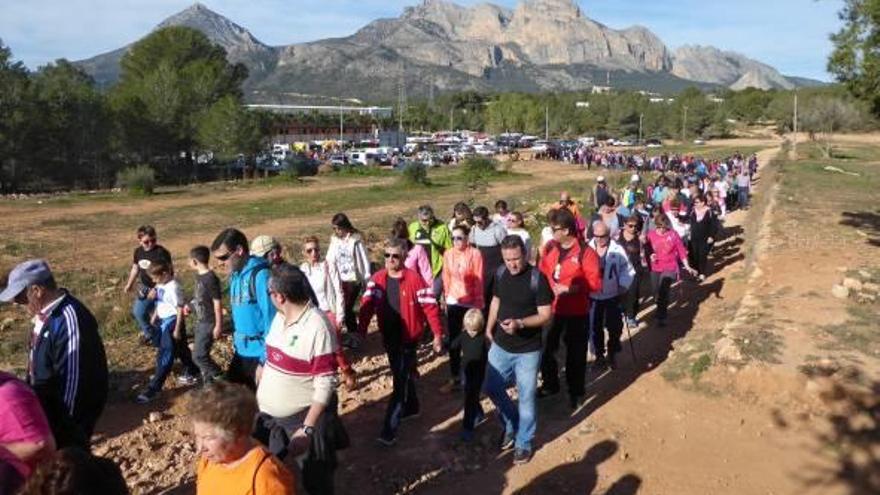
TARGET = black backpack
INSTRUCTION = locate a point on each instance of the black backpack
(533, 282)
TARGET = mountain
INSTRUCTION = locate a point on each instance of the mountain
(541, 45)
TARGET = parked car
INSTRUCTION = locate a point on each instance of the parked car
(653, 143)
(699, 142)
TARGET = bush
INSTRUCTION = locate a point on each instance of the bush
(415, 174)
(477, 171)
(137, 180)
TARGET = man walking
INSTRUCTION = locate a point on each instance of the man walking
(573, 271)
(401, 301)
(436, 238)
(520, 307)
(67, 366)
(617, 275)
(252, 309)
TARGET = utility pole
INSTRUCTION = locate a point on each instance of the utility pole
(795, 126)
(684, 125)
(452, 119)
(340, 127)
(401, 97)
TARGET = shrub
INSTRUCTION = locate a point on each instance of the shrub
(137, 180)
(415, 174)
(477, 171)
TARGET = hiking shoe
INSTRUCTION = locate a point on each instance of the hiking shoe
(522, 456)
(507, 441)
(187, 380)
(146, 397)
(387, 439)
(543, 393)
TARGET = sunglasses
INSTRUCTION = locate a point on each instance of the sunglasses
(312, 250)
(225, 257)
(393, 256)
(457, 238)
(148, 240)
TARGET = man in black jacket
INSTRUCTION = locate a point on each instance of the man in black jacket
(67, 366)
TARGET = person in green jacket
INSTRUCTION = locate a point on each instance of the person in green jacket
(435, 236)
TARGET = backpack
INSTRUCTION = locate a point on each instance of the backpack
(252, 287)
(533, 281)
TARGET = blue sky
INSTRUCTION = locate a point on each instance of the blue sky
(791, 35)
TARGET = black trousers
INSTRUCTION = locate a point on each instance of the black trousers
(662, 282)
(455, 321)
(474, 374)
(631, 298)
(605, 314)
(402, 359)
(204, 339)
(350, 293)
(573, 329)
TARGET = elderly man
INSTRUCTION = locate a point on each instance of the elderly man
(436, 238)
(67, 366)
(617, 275)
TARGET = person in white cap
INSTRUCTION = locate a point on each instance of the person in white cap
(267, 247)
(629, 195)
(601, 192)
(67, 365)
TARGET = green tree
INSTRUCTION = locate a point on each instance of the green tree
(855, 60)
(228, 129)
(169, 80)
(74, 125)
(16, 118)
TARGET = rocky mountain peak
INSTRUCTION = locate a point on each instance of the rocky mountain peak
(216, 27)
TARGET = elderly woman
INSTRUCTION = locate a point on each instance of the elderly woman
(230, 461)
(665, 250)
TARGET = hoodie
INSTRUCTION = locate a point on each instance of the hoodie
(252, 309)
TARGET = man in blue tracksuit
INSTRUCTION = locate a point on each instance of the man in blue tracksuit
(67, 366)
(252, 309)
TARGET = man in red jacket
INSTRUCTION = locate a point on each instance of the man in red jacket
(401, 301)
(572, 268)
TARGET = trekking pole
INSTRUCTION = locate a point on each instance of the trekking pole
(632, 348)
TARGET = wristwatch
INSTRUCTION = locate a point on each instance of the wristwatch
(308, 430)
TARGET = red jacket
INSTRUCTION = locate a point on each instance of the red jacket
(417, 304)
(580, 272)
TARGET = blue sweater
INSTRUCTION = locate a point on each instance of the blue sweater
(252, 309)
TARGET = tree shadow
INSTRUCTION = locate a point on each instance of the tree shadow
(582, 476)
(866, 222)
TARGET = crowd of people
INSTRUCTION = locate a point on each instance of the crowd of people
(494, 299)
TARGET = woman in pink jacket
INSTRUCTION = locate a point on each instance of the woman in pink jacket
(665, 251)
(417, 257)
(463, 289)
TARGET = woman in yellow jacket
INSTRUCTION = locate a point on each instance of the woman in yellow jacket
(463, 289)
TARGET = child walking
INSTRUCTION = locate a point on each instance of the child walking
(167, 332)
(474, 352)
(208, 308)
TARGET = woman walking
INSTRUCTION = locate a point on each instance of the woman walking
(665, 250)
(348, 256)
(632, 243)
(463, 282)
(704, 231)
(416, 256)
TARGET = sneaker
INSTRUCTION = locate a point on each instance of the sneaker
(701, 278)
(507, 441)
(146, 397)
(187, 380)
(543, 393)
(522, 456)
(387, 439)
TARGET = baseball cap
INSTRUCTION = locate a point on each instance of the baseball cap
(262, 244)
(24, 274)
(601, 178)
(635, 178)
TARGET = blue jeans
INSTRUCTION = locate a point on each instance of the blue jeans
(743, 197)
(505, 367)
(141, 310)
(167, 349)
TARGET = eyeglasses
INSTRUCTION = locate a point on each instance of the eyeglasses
(393, 256)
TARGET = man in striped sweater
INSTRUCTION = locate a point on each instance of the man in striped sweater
(401, 301)
(67, 366)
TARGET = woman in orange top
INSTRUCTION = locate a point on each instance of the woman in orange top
(230, 462)
(463, 290)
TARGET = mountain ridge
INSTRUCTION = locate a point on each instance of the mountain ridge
(540, 45)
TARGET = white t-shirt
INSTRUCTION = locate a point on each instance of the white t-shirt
(169, 297)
